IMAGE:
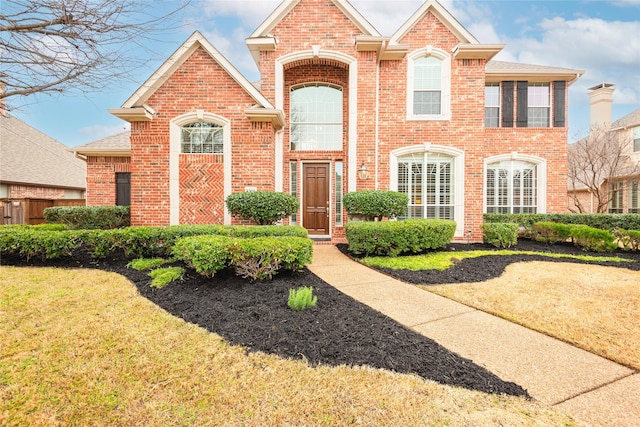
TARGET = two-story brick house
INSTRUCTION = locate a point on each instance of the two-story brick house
(339, 108)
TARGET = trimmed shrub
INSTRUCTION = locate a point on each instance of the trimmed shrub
(593, 239)
(30, 242)
(263, 207)
(301, 298)
(251, 231)
(609, 222)
(260, 258)
(207, 254)
(629, 239)
(391, 238)
(551, 232)
(500, 234)
(373, 204)
(89, 217)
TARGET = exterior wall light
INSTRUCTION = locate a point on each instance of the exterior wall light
(363, 172)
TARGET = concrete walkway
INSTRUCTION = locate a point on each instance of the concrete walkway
(594, 390)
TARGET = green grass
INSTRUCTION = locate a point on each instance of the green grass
(145, 263)
(443, 260)
(163, 276)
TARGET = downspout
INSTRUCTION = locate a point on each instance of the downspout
(377, 126)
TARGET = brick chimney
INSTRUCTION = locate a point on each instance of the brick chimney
(3, 105)
(601, 101)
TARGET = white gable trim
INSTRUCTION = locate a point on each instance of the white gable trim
(286, 6)
(449, 21)
(174, 159)
(353, 101)
(178, 58)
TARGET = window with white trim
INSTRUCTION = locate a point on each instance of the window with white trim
(201, 138)
(538, 105)
(316, 117)
(492, 105)
(428, 180)
(511, 187)
(616, 197)
(339, 197)
(634, 197)
(428, 85)
(636, 139)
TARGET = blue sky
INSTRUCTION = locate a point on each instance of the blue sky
(600, 37)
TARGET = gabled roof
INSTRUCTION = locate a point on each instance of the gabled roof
(630, 120)
(286, 6)
(114, 145)
(135, 109)
(28, 156)
(443, 15)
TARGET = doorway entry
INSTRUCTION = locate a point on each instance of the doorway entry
(315, 203)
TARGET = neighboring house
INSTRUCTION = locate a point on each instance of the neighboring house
(604, 167)
(36, 171)
(340, 108)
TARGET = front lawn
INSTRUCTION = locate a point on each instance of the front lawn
(82, 347)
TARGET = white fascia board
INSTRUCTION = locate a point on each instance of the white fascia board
(461, 33)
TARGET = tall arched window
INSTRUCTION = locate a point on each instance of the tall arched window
(316, 117)
(201, 137)
(512, 187)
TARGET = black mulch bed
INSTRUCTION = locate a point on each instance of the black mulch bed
(339, 330)
(488, 267)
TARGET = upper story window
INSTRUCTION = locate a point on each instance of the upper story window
(428, 85)
(316, 117)
(636, 139)
(492, 105)
(526, 104)
(201, 137)
(538, 105)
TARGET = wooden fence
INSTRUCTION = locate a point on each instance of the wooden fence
(31, 211)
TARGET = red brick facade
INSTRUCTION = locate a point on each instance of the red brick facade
(317, 42)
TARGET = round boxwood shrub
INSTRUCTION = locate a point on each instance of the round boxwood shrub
(373, 204)
(263, 207)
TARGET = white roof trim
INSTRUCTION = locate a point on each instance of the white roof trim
(461, 33)
(286, 6)
(183, 53)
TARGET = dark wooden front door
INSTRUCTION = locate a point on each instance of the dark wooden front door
(315, 206)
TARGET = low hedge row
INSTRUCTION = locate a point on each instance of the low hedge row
(391, 238)
(134, 241)
(89, 217)
(609, 222)
(588, 238)
(258, 258)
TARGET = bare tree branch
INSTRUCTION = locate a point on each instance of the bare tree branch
(597, 161)
(54, 46)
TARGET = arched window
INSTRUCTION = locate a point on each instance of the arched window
(428, 179)
(512, 187)
(316, 117)
(201, 137)
(428, 85)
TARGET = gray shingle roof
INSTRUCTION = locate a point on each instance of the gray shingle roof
(631, 119)
(519, 68)
(28, 156)
(116, 144)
